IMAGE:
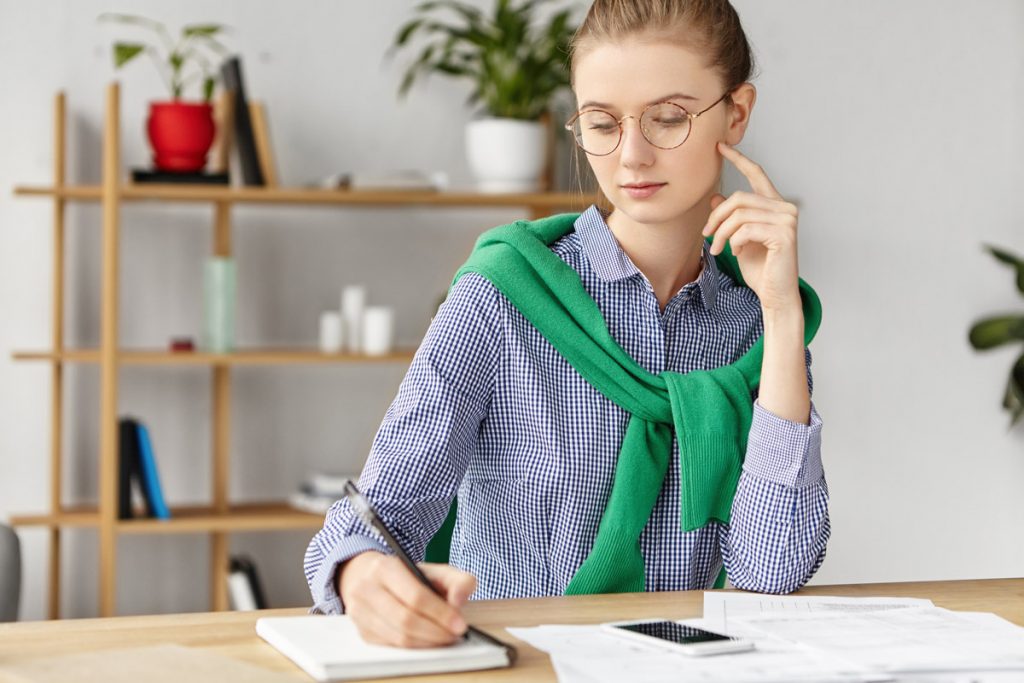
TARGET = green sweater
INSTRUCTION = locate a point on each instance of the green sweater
(710, 410)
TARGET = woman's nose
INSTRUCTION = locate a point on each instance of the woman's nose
(636, 151)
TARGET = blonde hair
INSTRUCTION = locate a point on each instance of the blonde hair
(708, 27)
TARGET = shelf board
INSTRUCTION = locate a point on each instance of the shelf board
(240, 357)
(188, 519)
(299, 196)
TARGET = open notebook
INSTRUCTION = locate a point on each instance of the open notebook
(329, 648)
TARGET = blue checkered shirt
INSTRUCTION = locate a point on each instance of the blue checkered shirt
(489, 411)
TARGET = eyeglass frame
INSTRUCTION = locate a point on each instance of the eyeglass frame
(692, 117)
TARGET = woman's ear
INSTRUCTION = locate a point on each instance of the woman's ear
(743, 98)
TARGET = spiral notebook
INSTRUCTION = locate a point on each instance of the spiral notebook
(329, 648)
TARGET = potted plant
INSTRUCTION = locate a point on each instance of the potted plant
(180, 132)
(515, 67)
(1004, 329)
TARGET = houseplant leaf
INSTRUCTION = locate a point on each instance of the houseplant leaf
(993, 332)
(126, 52)
(1014, 398)
(202, 30)
(1012, 260)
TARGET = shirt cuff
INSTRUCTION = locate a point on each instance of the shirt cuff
(782, 451)
(325, 596)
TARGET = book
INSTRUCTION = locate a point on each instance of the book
(130, 487)
(245, 592)
(245, 140)
(150, 477)
(127, 467)
(329, 648)
(261, 135)
(224, 118)
(145, 175)
(320, 491)
(387, 180)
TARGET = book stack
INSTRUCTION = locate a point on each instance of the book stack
(318, 493)
(137, 473)
(399, 180)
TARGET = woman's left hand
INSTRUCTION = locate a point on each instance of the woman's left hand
(761, 230)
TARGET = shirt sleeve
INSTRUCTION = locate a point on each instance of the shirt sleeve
(779, 524)
(423, 446)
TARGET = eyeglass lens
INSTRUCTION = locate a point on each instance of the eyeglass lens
(665, 125)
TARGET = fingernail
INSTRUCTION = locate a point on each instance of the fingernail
(458, 625)
(706, 230)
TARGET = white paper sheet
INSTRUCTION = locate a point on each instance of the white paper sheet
(918, 639)
(721, 606)
(587, 653)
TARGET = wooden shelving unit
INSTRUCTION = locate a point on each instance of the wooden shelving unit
(221, 517)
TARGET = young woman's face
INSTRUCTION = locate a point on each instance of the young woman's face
(622, 78)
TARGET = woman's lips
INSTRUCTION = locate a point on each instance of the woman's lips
(642, 191)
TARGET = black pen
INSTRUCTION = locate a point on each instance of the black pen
(372, 519)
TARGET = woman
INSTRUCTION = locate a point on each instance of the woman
(619, 402)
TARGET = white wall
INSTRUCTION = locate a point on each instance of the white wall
(896, 125)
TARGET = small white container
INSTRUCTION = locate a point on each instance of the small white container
(353, 303)
(378, 330)
(331, 330)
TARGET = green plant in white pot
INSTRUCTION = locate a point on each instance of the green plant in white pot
(992, 332)
(516, 67)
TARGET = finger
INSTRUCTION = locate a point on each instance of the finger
(757, 233)
(755, 174)
(420, 599)
(742, 199)
(716, 200)
(454, 584)
(738, 219)
(389, 621)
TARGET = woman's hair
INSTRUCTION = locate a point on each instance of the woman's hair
(709, 27)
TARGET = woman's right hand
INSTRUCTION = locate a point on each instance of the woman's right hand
(391, 607)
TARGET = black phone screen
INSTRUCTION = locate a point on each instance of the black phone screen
(673, 632)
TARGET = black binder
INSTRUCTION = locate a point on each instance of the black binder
(245, 140)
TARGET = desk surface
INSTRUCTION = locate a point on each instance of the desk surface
(233, 633)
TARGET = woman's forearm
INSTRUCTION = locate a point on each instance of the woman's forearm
(783, 389)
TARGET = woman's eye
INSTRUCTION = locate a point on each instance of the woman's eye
(670, 122)
(603, 129)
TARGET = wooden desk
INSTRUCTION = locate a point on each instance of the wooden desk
(233, 633)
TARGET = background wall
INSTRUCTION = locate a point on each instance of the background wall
(896, 125)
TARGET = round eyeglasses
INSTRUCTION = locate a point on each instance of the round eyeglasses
(665, 125)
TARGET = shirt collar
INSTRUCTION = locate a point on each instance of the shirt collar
(611, 263)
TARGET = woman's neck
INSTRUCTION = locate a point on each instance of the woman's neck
(668, 254)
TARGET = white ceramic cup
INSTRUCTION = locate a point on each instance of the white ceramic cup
(353, 303)
(331, 329)
(378, 329)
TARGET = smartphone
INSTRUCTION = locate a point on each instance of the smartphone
(685, 639)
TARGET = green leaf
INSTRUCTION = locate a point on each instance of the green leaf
(131, 19)
(126, 52)
(202, 30)
(515, 66)
(1012, 260)
(176, 60)
(406, 32)
(993, 332)
(1013, 400)
(208, 83)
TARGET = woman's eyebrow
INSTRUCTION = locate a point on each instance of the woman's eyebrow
(605, 105)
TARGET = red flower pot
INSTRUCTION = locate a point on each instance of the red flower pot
(181, 134)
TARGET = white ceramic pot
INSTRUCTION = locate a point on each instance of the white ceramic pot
(506, 155)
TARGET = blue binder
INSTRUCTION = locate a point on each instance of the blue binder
(150, 477)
